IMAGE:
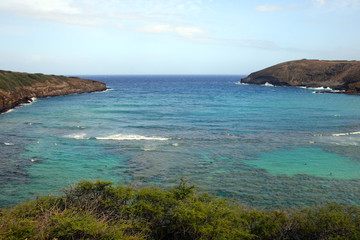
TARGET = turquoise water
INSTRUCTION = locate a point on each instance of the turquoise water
(310, 161)
(260, 145)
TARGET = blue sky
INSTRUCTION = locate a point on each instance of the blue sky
(173, 36)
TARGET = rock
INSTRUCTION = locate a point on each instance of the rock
(337, 75)
(17, 88)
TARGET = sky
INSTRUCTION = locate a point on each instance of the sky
(79, 37)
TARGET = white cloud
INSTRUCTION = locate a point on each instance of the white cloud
(347, 3)
(321, 2)
(48, 6)
(249, 43)
(268, 8)
(99, 12)
(156, 29)
(157, 16)
(189, 32)
(338, 4)
(185, 32)
(63, 11)
(332, 5)
(271, 8)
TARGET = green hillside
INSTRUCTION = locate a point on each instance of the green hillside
(11, 80)
(100, 210)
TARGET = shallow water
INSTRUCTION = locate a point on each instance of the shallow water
(263, 146)
(311, 161)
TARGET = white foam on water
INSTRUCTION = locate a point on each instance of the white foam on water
(9, 144)
(8, 111)
(106, 90)
(327, 89)
(148, 149)
(320, 88)
(78, 136)
(341, 139)
(32, 100)
(345, 134)
(268, 84)
(240, 83)
(323, 88)
(121, 137)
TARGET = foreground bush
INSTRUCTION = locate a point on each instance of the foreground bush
(100, 210)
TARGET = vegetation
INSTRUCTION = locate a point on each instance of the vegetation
(101, 210)
(10, 80)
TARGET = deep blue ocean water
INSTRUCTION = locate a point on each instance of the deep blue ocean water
(263, 146)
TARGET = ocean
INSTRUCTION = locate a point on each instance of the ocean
(263, 146)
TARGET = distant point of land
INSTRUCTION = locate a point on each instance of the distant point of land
(335, 74)
(17, 88)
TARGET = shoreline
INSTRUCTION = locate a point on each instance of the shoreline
(21, 102)
(29, 100)
(19, 88)
(337, 75)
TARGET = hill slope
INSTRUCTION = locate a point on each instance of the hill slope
(339, 75)
(17, 88)
(101, 210)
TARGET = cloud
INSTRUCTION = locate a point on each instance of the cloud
(189, 32)
(269, 8)
(249, 43)
(49, 6)
(346, 3)
(185, 32)
(156, 29)
(321, 2)
(109, 12)
(156, 17)
(63, 11)
(333, 5)
(338, 4)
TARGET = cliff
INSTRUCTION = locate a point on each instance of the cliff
(338, 75)
(17, 88)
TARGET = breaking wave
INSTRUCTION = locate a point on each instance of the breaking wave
(9, 144)
(345, 134)
(78, 136)
(120, 137)
(319, 88)
(268, 84)
(116, 137)
(240, 83)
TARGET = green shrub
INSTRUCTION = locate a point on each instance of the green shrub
(18, 229)
(327, 222)
(11, 80)
(265, 224)
(71, 224)
(100, 210)
(182, 191)
(213, 219)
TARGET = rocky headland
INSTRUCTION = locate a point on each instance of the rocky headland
(337, 75)
(17, 88)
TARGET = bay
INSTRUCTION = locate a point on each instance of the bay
(262, 146)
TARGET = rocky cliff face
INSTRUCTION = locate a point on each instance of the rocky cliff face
(339, 75)
(17, 88)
